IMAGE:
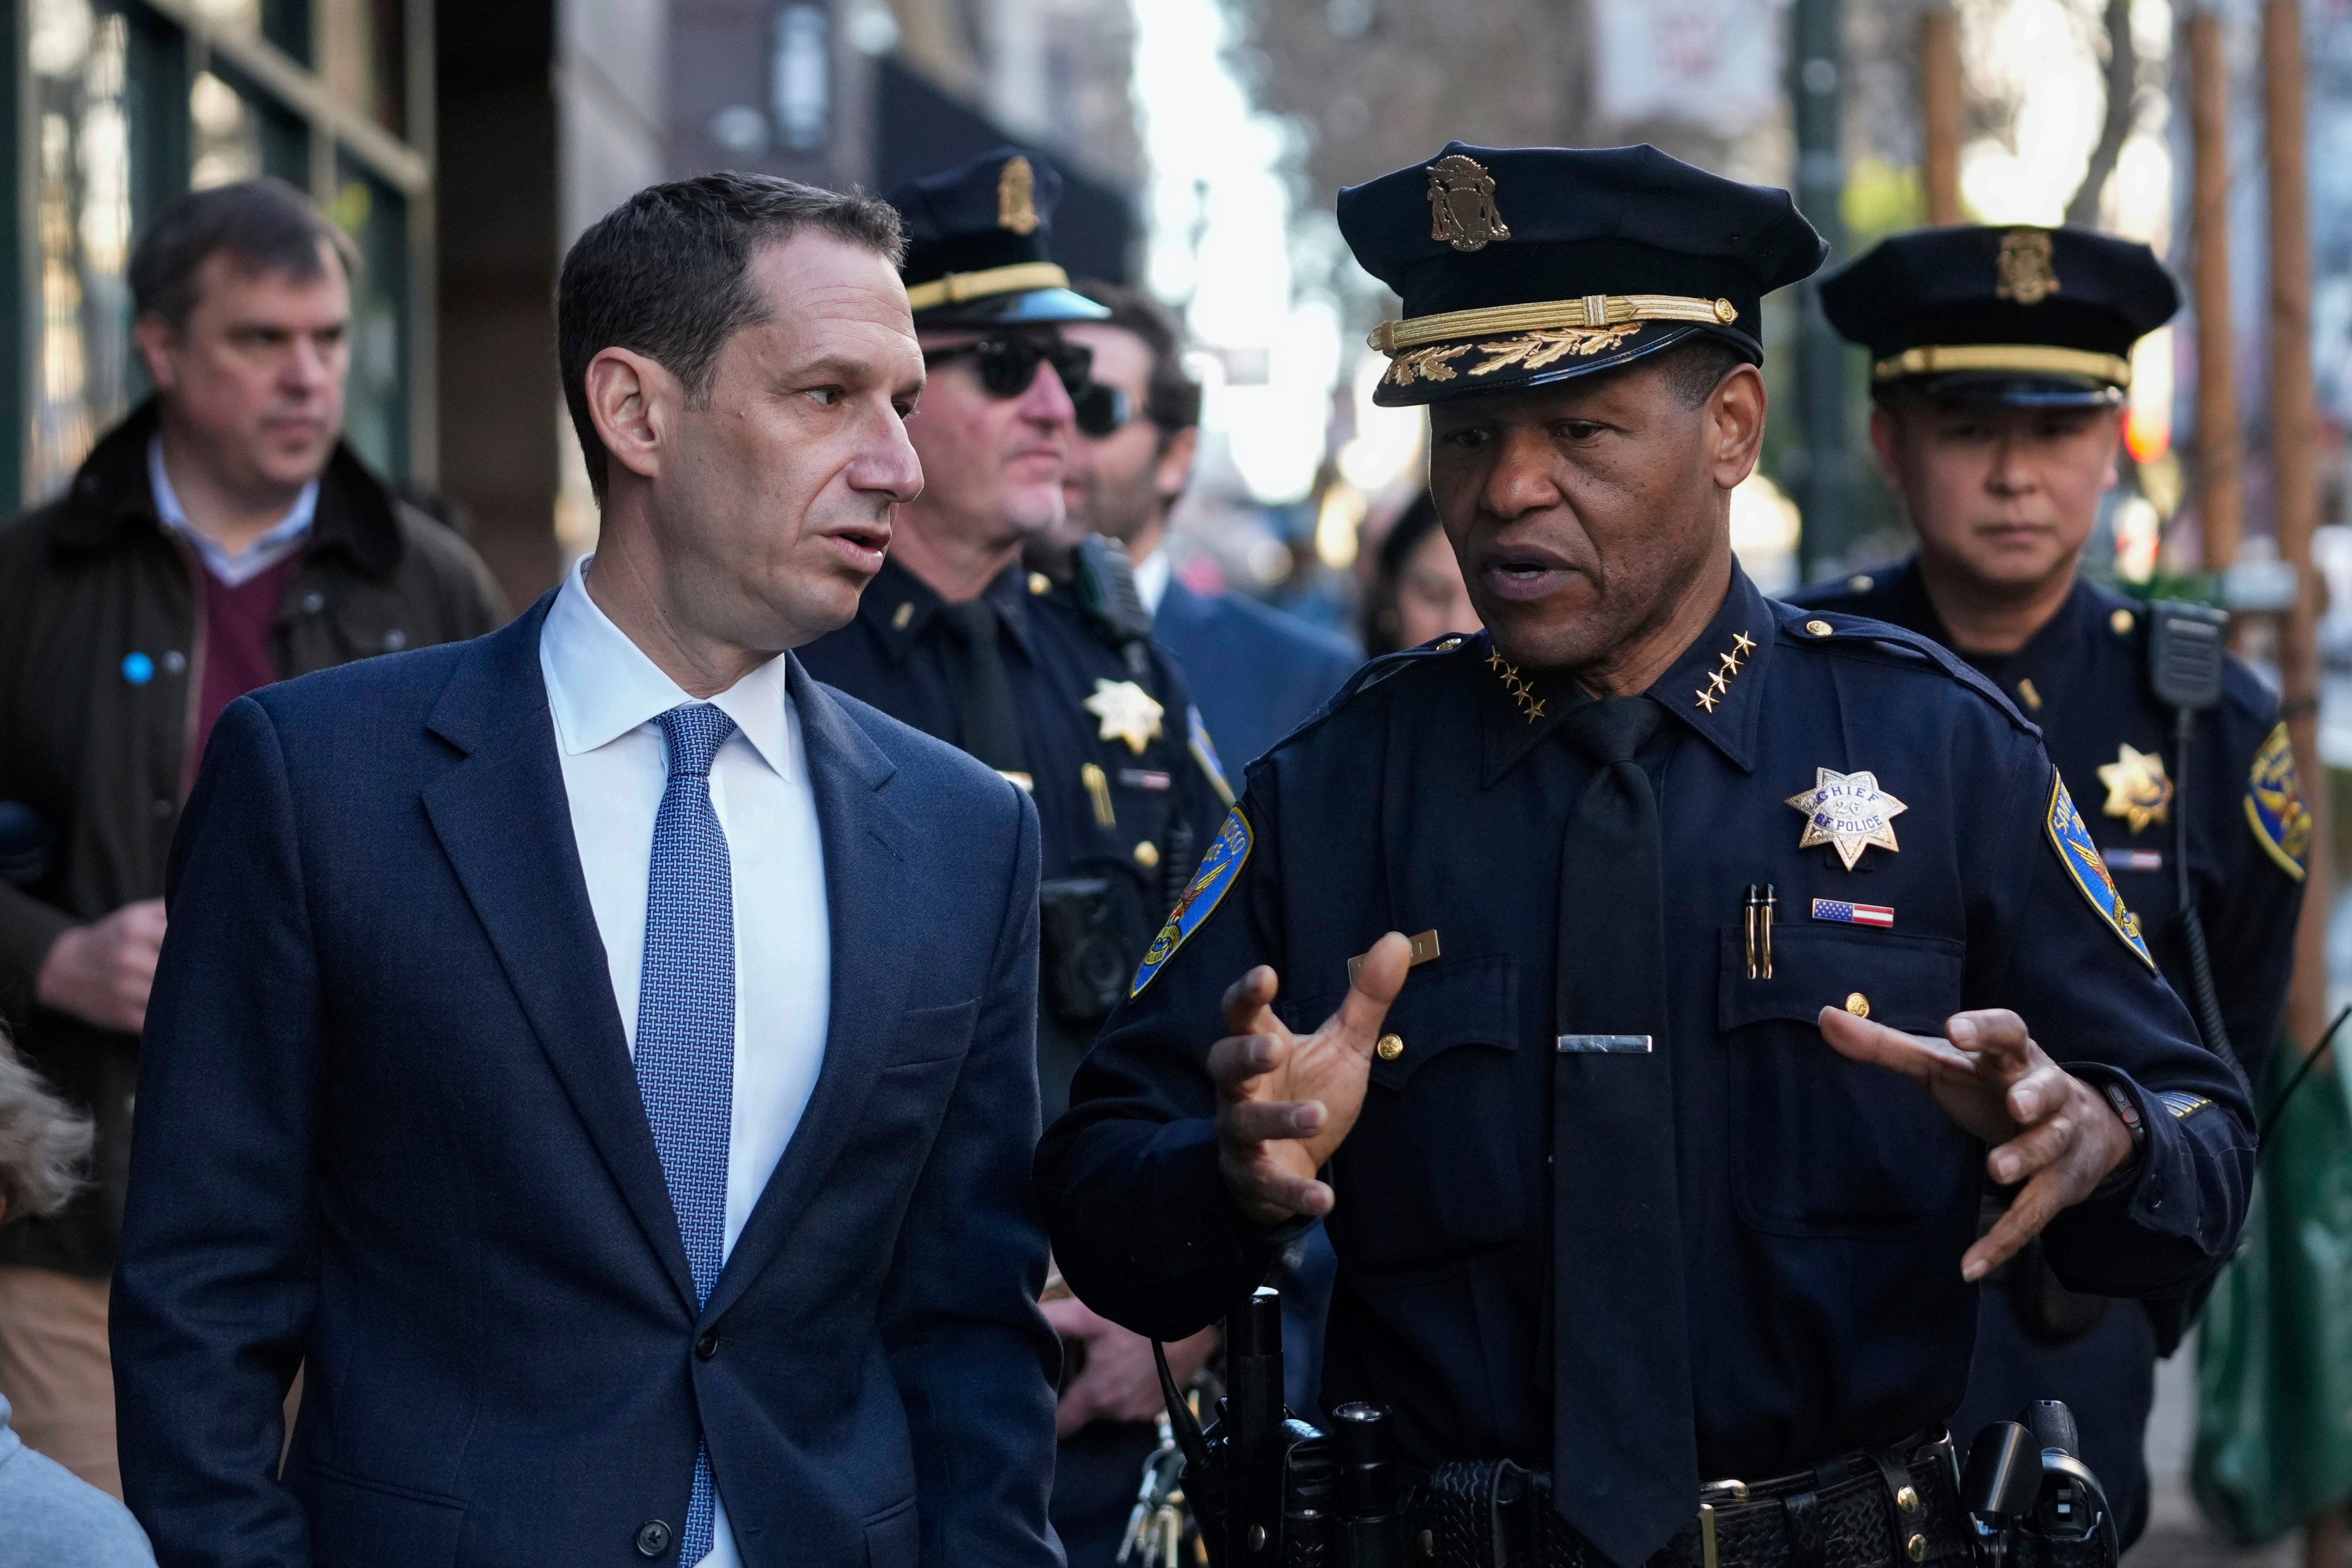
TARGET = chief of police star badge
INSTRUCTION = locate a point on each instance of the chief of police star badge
(1848, 812)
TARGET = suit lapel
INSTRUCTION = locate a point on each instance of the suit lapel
(869, 891)
(505, 822)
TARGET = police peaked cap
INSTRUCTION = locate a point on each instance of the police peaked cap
(977, 244)
(2003, 314)
(1520, 266)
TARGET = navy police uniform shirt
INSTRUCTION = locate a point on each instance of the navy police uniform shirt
(1122, 771)
(1824, 1205)
(2083, 679)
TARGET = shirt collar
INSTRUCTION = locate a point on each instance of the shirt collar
(284, 538)
(1716, 687)
(1152, 575)
(900, 606)
(601, 684)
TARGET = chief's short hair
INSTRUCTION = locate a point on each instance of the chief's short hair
(664, 275)
(265, 225)
(1171, 398)
(44, 1141)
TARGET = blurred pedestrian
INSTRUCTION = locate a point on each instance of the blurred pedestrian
(48, 1517)
(1417, 592)
(1257, 672)
(220, 538)
(2002, 356)
(599, 1051)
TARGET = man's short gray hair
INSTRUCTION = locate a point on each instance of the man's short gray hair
(44, 1141)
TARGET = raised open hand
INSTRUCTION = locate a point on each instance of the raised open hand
(2048, 1129)
(1285, 1101)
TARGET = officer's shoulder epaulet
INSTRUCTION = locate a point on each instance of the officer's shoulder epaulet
(1838, 634)
(1856, 593)
(1372, 672)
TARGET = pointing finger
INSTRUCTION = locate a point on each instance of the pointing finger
(1994, 1032)
(1875, 1045)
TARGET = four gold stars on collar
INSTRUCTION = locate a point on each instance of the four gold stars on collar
(1523, 692)
(1719, 681)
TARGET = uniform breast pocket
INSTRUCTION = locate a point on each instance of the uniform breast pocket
(1432, 1169)
(1824, 1146)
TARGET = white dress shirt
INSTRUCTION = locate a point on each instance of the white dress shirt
(1152, 575)
(285, 537)
(604, 693)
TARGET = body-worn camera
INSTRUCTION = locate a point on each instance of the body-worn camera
(1085, 962)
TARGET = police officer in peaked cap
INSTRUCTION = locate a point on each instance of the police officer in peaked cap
(1061, 691)
(2001, 360)
(1716, 955)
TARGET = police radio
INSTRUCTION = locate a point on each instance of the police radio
(2187, 646)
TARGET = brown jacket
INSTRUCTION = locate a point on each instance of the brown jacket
(99, 650)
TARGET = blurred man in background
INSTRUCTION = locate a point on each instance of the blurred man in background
(220, 538)
(1417, 593)
(2002, 359)
(1256, 673)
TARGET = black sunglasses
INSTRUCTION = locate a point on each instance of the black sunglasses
(1008, 367)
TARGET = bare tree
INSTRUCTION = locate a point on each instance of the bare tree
(2123, 112)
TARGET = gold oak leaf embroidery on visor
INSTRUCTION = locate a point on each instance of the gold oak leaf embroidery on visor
(1535, 350)
(1429, 363)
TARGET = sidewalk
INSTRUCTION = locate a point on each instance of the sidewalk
(2178, 1535)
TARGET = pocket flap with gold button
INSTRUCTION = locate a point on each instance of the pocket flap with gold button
(1906, 982)
(1444, 1005)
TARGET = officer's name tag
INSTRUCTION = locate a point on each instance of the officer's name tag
(1424, 948)
(1604, 1045)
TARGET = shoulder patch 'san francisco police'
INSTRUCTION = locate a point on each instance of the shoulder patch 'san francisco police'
(2274, 808)
(1219, 867)
(2072, 840)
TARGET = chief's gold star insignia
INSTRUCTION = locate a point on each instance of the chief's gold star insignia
(2138, 790)
(1715, 683)
(1848, 812)
(1708, 699)
(1128, 713)
(1743, 642)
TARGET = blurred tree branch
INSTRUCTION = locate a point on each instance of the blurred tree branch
(2123, 109)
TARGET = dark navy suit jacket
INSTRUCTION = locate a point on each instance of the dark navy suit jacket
(1255, 673)
(389, 1132)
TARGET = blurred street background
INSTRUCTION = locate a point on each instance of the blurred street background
(463, 143)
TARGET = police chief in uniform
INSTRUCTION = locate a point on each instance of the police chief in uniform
(1750, 944)
(2001, 360)
(1059, 689)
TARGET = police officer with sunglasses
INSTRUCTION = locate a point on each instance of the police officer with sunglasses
(957, 638)
(1058, 689)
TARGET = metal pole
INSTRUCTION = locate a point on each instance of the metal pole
(1816, 64)
(2221, 482)
(1939, 112)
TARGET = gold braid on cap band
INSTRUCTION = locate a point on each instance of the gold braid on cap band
(2031, 358)
(1592, 311)
(956, 287)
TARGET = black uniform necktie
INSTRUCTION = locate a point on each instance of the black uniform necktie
(1624, 1446)
(987, 725)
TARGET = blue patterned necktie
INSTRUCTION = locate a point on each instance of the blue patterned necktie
(686, 1022)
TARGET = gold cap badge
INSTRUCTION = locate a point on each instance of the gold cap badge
(2026, 275)
(1016, 197)
(1462, 204)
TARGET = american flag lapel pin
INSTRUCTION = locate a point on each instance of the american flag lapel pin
(1840, 912)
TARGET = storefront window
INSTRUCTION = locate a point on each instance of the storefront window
(124, 110)
(375, 403)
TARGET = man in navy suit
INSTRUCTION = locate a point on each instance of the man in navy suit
(536, 1060)
(1257, 674)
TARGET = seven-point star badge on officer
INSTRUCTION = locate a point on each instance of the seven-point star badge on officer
(2138, 790)
(1128, 713)
(1849, 812)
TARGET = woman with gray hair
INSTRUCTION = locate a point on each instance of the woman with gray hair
(49, 1518)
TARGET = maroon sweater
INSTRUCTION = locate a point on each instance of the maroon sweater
(237, 624)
